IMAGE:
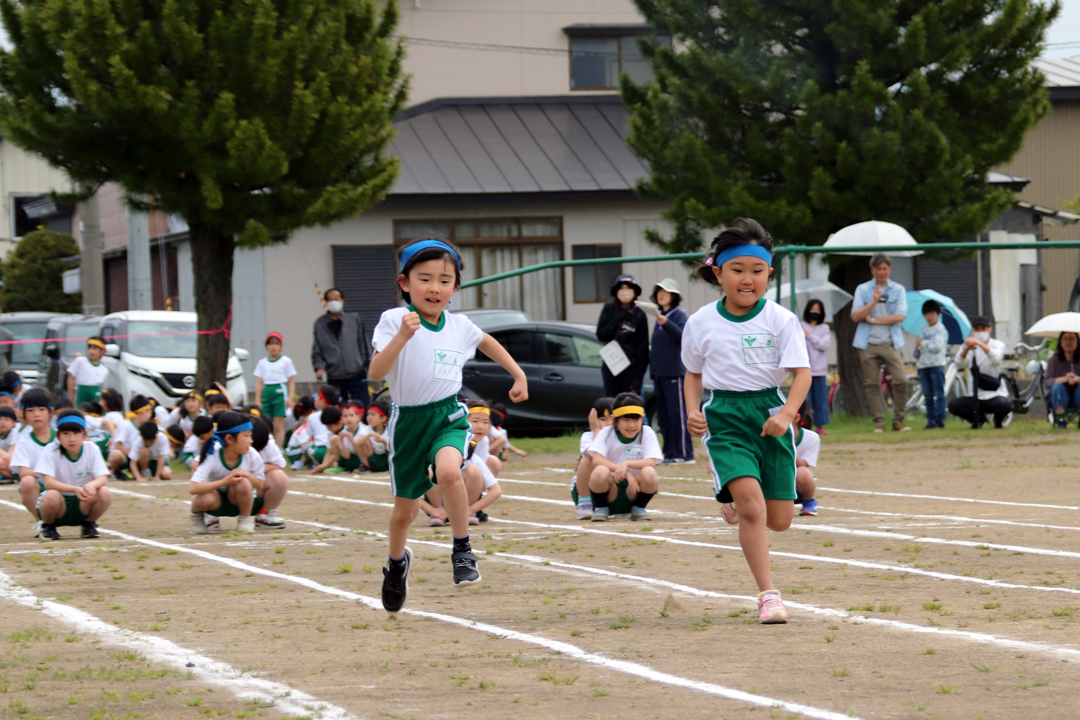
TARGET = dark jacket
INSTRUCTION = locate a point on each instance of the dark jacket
(344, 355)
(667, 346)
(631, 330)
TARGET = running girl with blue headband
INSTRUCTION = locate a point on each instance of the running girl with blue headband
(737, 351)
(421, 350)
(73, 478)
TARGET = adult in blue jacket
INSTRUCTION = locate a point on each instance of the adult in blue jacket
(667, 372)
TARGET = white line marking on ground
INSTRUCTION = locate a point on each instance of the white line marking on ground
(555, 565)
(953, 499)
(573, 651)
(164, 652)
(956, 518)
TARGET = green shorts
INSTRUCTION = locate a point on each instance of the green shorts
(228, 508)
(619, 506)
(73, 514)
(273, 401)
(103, 445)
(736, 449)
(379, 462)
(420, 431)
(316, 454)
(349, 464)
(86, 393)
(294, 456)
(151, 467)
(187, 459)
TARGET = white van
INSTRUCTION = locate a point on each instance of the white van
(157, 364)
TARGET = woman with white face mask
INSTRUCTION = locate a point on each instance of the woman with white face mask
(339, 352)
(984, 355)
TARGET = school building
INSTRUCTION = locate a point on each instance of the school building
(513, 148)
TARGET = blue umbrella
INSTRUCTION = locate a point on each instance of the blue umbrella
(956, 322)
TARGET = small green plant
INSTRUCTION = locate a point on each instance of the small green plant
(842, 672)
(929, 651)
(946, 689)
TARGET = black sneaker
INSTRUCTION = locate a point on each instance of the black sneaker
(465, 572)
(48, 531)
(395, 586)
(89, 529)
(481, 516)
(119, 474)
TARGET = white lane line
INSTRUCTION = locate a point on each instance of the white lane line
(164, 652)
(902, 569)
(956, 518)
(557, 566)
(953, 499)
(573, 651)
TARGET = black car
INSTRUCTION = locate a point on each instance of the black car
(562, 364)
(58, 353)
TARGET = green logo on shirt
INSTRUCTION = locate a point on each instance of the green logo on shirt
(760, 349)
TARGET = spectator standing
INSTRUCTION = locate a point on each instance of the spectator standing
(990, 394)
(339, 351)
(818, 340)
(667, 371)
(880, 306)
(623, 321)
(1063, 376)
(931, 353)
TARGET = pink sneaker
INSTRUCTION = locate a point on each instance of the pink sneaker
(771, 608)
(729, 513)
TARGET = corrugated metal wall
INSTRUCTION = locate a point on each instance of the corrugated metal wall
(1051, 158)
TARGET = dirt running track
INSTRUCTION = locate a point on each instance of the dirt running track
(928, 593)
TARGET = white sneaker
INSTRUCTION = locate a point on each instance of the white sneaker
(245, 524)
(298, 465)
(473, 520)
(213, 524)
(198, 525)
(37, 529)
(435, 522)
(270, 522)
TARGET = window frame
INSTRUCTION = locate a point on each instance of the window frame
(619, 37)
(595, 269)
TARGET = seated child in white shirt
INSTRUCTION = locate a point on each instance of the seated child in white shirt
(624, 459)
(599, 418)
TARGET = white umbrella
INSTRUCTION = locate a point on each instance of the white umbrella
(873, 233)
(832, 296)
(1053, 325)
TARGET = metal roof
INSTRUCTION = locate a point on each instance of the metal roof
(515, 145)
(1060, 72)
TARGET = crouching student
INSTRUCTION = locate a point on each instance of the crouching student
(98, 429)
(599, 418)
(343, 442)
(126, 439)
(371, 442)
(624, 457)
(73, 478)
(202, 428)
(149, 460)
(8, 432)
(229, 475)
(807, 448)
(175, 435)
(276, 482)
(35, 435)
(322, 426)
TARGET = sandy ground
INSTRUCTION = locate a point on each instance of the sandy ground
(948, 587)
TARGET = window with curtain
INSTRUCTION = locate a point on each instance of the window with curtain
(490, 246)
(592, 283)
(597, 61)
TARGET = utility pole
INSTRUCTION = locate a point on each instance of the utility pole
(140, 287)
(91, 269)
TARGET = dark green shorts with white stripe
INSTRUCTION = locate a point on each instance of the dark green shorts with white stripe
(228, 508)
(735, 446)
(417, 433)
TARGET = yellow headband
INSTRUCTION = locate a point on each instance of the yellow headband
(212, 392)
(256, 412)
(606, 412)
(629, 410)
(95, 343)
(484, 410)
(133, 413)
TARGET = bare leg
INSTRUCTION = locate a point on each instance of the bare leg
(602, 480)
(279, 431)
(52, 506)
(275, 489)
(99, 506)
(584, 472)
(755, 514)
(28, 488)
(804, 483)
(240, 494)
(401, 517)
(495, 465)
(474, 483)
(448, 470)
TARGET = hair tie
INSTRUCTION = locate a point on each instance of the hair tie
(709, 262)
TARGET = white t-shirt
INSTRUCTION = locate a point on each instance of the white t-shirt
(94, 429)
(755, 351)
(428, 369)
(297, 439)
(377, 447)
(28, 449)
(161, 415)
(271, 454)
(485, 471)
(275, 372)
(481, 450)
(586, 440)
(319, 434)
(8, 440)
(193, 445)
(613, 448)
(128, 434)
(87, 467)
(87, 373)
(184, 422)
(213, 468)
(808, 447)
(115, 417)
(159, 449)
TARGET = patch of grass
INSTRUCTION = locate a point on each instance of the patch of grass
(556, 679)
(623, 623)
(1063, 612)
(945, 689)
(344, 568)
(842, 672)
(984, 668)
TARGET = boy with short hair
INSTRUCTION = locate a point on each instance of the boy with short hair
(35, 435)
(931, 354)
(217, 400)
(8, 433)
(150, 456)
(275, 385)
(73, 480)
(320, 451)
(624, 457)
(599, 418)
(86, 375)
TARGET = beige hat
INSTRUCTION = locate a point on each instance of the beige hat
(668, 284)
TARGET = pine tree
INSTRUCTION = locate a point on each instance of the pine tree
(811, 115)
(33, 274)
(251, 118)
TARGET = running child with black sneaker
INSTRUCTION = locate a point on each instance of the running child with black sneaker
(73, 480)
(421, 350)
(736, 352)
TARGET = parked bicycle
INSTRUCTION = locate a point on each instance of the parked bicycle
(1030, 358)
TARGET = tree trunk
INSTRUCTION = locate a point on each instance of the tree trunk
(851, 397)
(212, 267)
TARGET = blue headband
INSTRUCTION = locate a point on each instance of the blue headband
(234, 430)
(747, 250)
(408, 253)
(2, 393)
(72, 420)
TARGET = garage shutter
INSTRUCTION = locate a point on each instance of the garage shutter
(956, 280)
(365, 274)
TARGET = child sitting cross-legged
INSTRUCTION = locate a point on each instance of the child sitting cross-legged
(624, 457)
(599, 418)
(371, 442)
(73, 480)
(229, 475)
(149, 458)
(343, 442)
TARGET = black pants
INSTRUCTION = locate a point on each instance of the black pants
(671, 409)
(964, 408)
(626, 381)
(353, 388)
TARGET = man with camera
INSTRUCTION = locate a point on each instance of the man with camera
(879, 307)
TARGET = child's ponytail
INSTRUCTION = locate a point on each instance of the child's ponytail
(743, 231)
